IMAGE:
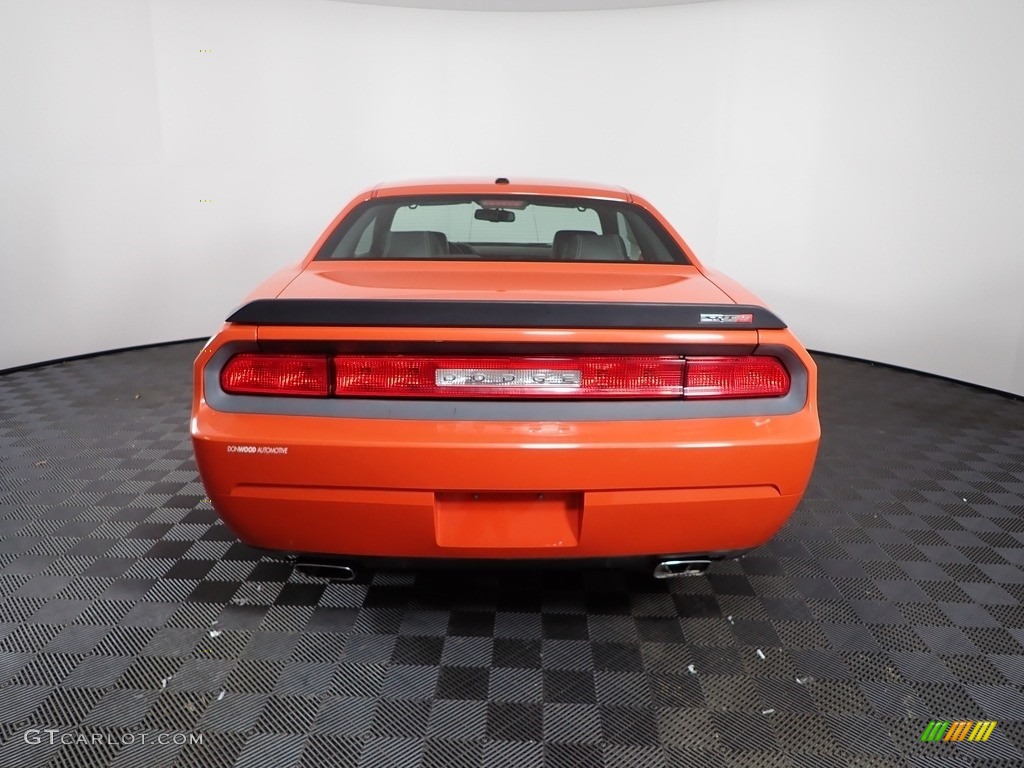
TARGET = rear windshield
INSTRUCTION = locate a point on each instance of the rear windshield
(501, 228)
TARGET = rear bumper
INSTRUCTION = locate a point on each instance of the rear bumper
(503, 490)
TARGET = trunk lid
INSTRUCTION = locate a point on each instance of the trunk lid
(513, 281)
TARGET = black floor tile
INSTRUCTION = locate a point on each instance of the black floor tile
(894, 596)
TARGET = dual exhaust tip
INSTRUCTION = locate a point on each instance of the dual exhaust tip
(671, 569)
(666, 569)
(328, 571)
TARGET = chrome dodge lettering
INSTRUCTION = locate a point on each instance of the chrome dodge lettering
(536, 378)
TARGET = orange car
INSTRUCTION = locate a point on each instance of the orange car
(504, 371)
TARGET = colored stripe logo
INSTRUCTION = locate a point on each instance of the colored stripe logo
(958, 730)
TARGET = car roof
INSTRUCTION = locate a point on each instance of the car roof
(494, 186)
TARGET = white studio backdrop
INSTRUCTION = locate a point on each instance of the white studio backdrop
(858, 163)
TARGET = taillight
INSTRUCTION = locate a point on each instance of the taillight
(735, 377)
(258, 374)
(604, 377)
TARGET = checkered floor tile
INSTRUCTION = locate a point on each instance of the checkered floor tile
(135, 630)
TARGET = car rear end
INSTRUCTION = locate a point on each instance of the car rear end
(494, 408)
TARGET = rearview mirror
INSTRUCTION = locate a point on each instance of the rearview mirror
(494, 214)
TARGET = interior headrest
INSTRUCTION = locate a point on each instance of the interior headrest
(415, 244)
(561, 242)
(587, 246)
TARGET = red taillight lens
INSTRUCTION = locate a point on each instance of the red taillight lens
(295, 375)
(594, 377)
(586, 377)
(735, 377)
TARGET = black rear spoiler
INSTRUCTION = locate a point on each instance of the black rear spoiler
(503, 314)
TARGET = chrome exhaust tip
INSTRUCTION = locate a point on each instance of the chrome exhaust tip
(328, 571)
(670, 569)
